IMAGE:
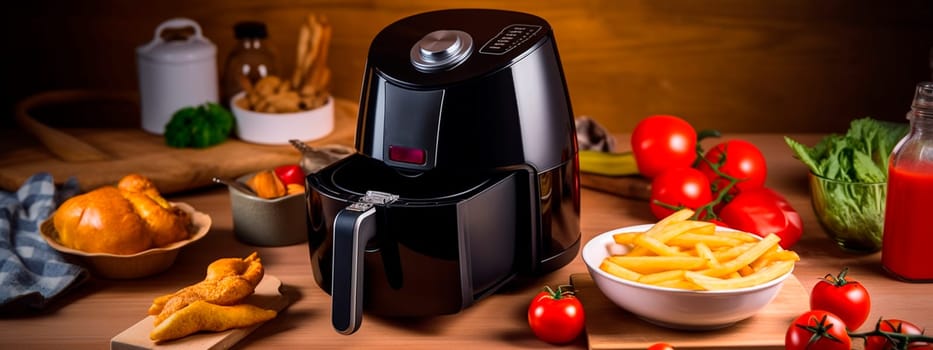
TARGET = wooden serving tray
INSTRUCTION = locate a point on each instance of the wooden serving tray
(171, 169)
(608, 326)
(268, 295)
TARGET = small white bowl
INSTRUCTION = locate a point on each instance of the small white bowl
(278, 128)
(676, 308)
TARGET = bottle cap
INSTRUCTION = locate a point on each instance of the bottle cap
(250, 29)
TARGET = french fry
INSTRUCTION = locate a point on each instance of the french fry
(669, 231)
(713, 241)
(741, 236)
(662, 277)
(761, 276)
(626, 237)
(747, 257)
(732, 252)
(771, 256)
(619, 271)
(680, 284)
(704, 252)
(657, 247)
(652, 264)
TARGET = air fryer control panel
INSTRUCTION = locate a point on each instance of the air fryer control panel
(509, 38)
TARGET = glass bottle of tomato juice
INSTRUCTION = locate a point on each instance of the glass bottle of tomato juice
(908, 233)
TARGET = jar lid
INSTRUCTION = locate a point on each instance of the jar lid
(194, 48)
(250, 29)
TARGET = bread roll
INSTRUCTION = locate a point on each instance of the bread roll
(126, 219)
(101, 221)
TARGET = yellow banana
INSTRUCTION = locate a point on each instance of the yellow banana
(606, 163)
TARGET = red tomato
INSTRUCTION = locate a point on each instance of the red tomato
(678, 188)
(556, 316)
(829, 330)
(842, 296)
(878, 342)
(762, 211)
(661, 142)
(661, 346)
(739, 159)
(290, 174)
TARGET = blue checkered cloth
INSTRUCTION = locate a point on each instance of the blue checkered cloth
(31, 272)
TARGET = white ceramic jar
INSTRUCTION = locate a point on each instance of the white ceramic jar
(174, 74)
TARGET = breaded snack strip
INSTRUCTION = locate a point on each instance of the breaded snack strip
(203, 316)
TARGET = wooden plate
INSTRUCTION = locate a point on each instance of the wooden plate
(268, 295)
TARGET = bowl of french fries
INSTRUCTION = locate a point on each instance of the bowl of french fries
(686, 274)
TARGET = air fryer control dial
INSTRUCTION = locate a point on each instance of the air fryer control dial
(441, 49)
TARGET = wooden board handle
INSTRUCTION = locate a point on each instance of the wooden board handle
(63, 145)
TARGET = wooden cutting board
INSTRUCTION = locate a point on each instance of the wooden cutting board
(172, 169)
(634, 187)
(268, 295)
(610, 327)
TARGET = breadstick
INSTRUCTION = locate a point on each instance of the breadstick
(311, 55)
(304, 36)
(318, 83)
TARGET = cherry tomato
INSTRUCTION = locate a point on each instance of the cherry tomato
(679, 187)
(290, 174)
(739, 159)
(829, 330)
(556, 316)
(661, 142)
(661, 346)
(844, 297)
(762, 211)
(878, 342)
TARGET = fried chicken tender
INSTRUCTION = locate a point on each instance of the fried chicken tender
(204, 316)
(228, 282)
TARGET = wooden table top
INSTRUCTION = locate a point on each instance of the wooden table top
(88, 317)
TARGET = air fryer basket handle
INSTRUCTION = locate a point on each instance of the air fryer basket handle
(354, 226)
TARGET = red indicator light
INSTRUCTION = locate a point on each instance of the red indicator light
(406, 154)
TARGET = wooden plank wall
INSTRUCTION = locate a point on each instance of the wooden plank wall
(733, 65)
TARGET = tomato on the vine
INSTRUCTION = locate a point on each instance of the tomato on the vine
(739, 159)
(828, 329)
(762, 211)
(880, 342)
(844, 297)
(556, 316)
(662, 142)
(678, 188)
(661, 346)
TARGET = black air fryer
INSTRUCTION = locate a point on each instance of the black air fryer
(466, 171)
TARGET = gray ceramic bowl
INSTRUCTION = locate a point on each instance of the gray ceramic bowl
(268, 222)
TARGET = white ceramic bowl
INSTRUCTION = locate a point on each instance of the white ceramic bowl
(278, 128)
(676, 308)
